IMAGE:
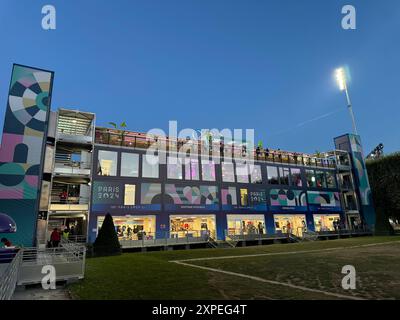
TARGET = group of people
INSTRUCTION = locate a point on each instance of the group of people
(57, 235)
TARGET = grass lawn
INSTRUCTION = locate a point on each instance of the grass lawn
(152, 276)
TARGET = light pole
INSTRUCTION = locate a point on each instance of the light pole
(341, 80)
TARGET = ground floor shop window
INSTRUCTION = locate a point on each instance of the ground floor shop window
(290, 223)
(192, 226)
(132, 227)
(327, 222)
(245, 224)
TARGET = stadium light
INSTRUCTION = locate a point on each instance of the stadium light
(341, 79)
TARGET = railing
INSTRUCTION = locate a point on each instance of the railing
(9, 267)
(149, 239)
(143, 141)
(72, 167)
(69, 200)
(239, 235)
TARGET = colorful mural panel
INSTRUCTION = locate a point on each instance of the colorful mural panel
(22, 148)
(288, 200)
(324, 201)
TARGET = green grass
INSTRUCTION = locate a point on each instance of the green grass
(152, 276)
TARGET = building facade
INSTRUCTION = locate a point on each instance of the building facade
(155, 189)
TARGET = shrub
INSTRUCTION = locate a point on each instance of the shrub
(107, 243)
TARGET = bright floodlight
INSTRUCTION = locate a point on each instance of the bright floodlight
(341, 78)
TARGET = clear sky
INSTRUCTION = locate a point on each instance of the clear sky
(265, 65)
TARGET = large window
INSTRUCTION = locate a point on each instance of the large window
(192, 169)
(242, 173)
(208, 170)
(310, 176)
(272, 175)
(330, 180)
(107, 163)
(150, 166)
(174, 168)
(320, 179)
(129, 164)
(296, 177)
(255, 173)
(129, 197)
(228, 172)
(284, 176)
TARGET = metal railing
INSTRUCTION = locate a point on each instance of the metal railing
(166, 238)
(9, 267)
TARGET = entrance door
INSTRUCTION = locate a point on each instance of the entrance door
(293, 224)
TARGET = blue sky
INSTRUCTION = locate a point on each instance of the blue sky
(266, 65)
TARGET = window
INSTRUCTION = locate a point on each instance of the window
(242, 173)
(255, 173)
(208, 170)
(174, 168)
(296, 177)
(228, 172)
(310, 178)
(107, 163)
(320, 179)
(284, 176)
(330, 180)
(272, 175)
(129, 164)
(150, 166)
(244, 198)
(129, 197)
(192, 169)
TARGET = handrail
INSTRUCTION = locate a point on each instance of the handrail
(9, 277)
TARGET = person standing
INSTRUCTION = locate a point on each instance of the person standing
(55, 238)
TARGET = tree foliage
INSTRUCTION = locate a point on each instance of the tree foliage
(384, 178)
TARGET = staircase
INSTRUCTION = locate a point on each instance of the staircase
(310, 236)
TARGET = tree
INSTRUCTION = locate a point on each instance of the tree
(121, 129)
(107, 243)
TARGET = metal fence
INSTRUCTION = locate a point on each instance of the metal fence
(151, 239)
(9, 267)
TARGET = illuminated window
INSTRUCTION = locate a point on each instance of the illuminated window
(284, 176)
(107, 163)
(192, 169)
(208, 170)
(174, 168)
(244, 198)
(150, 166)
(310, 176)
(228, 172)
(330, 180)
(255, 173)
(129, 164)
(272, 175)
(242, 173)
(129, 197)
(320, 179)
(296, 177)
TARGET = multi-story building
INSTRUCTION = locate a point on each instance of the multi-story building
(165, 189)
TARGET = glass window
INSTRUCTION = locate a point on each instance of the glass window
(284, 176)
(296, 177)
(310, 176)
(174, 168)
(320, 179)
(129, 164)
(330, 180)
(208, 170)
(149, 166)
(129, 197)
(272, 175)
(228, 172)
(242, 173)
(107, 163)
(192, 169)
(244, 198)
(255, 173)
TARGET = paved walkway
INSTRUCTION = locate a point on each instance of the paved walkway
(37, 293)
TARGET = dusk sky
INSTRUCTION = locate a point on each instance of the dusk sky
(264, 65)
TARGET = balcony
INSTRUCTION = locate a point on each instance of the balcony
(72, 168)
(69, 204)
(75, 127)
